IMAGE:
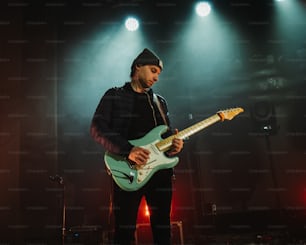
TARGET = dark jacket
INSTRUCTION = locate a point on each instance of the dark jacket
(111, 122)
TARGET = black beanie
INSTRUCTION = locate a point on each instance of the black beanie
(147, 57)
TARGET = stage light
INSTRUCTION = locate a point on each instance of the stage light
(131, 24)
(146, 211)
(203, 9)
(143, 212)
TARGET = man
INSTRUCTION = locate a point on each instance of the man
(130, 112)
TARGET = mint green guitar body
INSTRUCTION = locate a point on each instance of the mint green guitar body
(130, 178)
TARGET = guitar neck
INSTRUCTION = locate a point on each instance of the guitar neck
(165, 144)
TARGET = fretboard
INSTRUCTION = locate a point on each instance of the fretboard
(165, 144)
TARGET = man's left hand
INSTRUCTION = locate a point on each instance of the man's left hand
(177, 145)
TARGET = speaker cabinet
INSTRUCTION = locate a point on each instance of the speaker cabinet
(84, 235)
(263, 118)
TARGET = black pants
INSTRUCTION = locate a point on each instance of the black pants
(158, 195)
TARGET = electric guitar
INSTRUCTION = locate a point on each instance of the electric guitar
(131, 177)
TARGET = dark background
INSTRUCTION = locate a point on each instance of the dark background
(52, 80)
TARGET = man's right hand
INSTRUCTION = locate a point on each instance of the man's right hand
(139, 155)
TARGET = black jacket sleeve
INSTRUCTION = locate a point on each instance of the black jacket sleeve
(102, 126)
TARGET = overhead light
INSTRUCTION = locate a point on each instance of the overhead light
(131, 24)
(203, 9)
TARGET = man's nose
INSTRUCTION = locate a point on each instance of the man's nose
(155, 78)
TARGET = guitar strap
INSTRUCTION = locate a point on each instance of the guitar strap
(162, 113)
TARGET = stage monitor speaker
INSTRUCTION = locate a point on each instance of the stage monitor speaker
(144, 235)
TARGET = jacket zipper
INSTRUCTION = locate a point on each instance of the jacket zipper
(152, 107)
